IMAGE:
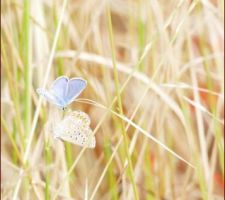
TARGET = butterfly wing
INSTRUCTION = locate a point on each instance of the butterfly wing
(81, 118)
(49, 96)
(79, 136)
(74, 89)
(75, 129)
(59, 87)
(56, 94)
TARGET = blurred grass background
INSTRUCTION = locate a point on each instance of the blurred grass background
(155, 97)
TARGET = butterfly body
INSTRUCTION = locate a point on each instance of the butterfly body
(63, 91)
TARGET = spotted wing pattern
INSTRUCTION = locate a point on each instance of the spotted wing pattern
(75, 128)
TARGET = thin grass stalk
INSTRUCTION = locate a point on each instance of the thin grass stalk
(15, 98)
(12, 139)
(117, 85)
(37, 111)
(48, 161)
(173, 39)
(111, 177)
(141, 34)
(220, 144)
(27, 67)
(209, 84)
(126, 164)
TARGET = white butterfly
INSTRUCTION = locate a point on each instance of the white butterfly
(63, 91)
(75, 128)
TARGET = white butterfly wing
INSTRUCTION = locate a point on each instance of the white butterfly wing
(81, 118)
(75, 129)
(79, 136)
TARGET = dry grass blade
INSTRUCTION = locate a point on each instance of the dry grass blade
(154, 97)
(35, 120)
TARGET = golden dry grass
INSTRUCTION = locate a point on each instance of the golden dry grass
(155, 97)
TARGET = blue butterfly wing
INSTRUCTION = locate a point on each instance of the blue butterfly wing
(59, 87)
(49, 96)
(74, 89)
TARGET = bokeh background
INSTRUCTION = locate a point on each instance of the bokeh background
(155, 97)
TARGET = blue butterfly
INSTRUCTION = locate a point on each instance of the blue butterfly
(63, 91)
